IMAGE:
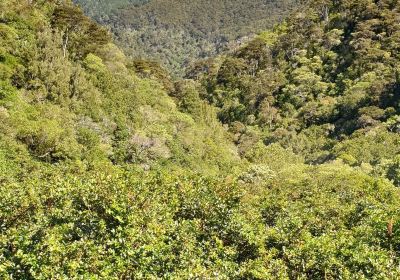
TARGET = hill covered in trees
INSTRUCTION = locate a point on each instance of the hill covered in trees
(277, 161)
(101, 9)
(324, 84)
(177, 33)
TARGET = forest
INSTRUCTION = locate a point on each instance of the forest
(277, 159)
(176, 33)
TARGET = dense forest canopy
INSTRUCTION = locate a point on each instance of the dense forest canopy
(325, 83)
(278, 160)
(101, 9)
(177, 33)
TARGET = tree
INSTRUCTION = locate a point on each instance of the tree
(80, 34)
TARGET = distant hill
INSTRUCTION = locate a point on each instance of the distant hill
(99, 9)
(177, 33)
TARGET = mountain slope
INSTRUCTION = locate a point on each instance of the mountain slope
(325, 83)
(101, 8)
(111, 170)
(176, 33)
(67, 84)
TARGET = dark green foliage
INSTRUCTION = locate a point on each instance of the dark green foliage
(177, 33)
(101, 9)
(81, 35)
(110, 169)
(329, 73)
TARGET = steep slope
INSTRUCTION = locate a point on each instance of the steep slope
(325, 83)
(176, 33)
(100, 9)
(70, 94)
(110, 170)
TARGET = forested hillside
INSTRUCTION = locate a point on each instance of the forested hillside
(279, 160)
(177, 33)
(325, 84)
(101, 9)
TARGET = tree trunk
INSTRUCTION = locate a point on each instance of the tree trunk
(65, 44)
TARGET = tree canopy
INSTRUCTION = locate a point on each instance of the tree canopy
(278, 160)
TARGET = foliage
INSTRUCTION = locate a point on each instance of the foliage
(324, 83)
(177, 33)
(69, 94)
(111, 169)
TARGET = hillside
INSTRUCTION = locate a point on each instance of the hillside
(177, 33)
(101, 9)
(279, 160)
(324, 84)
